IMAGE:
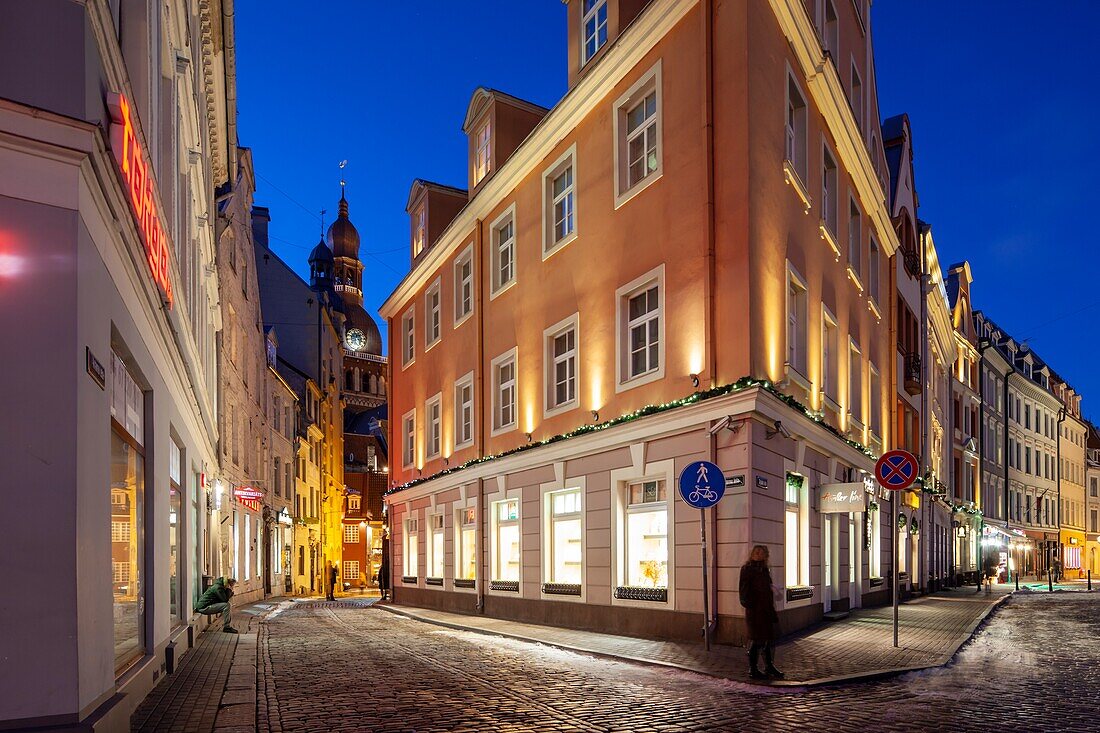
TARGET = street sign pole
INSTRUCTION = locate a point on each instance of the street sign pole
(894, 555)
(702, 485)
(706, 591)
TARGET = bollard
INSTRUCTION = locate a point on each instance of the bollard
(1017, 576)
(1090, 578)
(1050, 579)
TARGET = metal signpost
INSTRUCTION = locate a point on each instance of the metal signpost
(702, 486)
(896, 470)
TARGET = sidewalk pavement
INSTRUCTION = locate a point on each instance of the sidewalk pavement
(932, 629)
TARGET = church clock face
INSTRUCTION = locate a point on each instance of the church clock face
(356, 340)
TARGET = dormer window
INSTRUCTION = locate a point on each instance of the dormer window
(419, 228)
(482, 153)
(593, 28)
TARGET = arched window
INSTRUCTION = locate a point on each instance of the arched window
(381, 385)
(373, 384)
(348, 380)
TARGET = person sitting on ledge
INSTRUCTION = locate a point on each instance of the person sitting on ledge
(216, 600)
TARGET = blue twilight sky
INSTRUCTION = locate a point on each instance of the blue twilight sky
(1000, 104)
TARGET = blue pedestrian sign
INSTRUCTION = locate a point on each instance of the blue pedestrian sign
(702, 484)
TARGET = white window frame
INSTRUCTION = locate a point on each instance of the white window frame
(459, 557)
(623, 381)
(830, 375)
(408, 438)
(549, 371)
(500, 427)
(649, 81)
(433, 315)
(548, 491)
(874, 420)
(351, 534)
(801, 340)
(465, 381)
(433, 438)
(859, 105)
(855, 381)
(593, 13)
(874, 270)
(800, 510)
(551, 245)
(462, 284)
(855, 241)
(420, 229)
(344, 569)
(496, 285)
(408, 337)
(495, 523)
(436, 518)
(483, 150)
(621, 479)
(799, 164)
(411, 531)
(830, 204)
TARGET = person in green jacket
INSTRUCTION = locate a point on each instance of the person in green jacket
(216, 600)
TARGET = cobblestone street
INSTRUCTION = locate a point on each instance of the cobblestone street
(341, 666)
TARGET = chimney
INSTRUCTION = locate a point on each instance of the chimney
(260, 218)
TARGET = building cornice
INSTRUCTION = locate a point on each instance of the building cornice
(828, 93)
(626, 53)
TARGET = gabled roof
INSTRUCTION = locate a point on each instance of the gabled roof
(484, 96)
(893, 143)
(420, 184)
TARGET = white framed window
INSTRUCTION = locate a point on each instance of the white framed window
(593, 28)
(464, 411)
(351, 571)
(419, 229)
(874, 266)
(464, 285)
(855, 383)
(436, 549)
(830, 30)
(795, 552)
(638, 126)
(351, 534)
(829, 190)
(120, 531)
(408, 337)
(830, 355)
(354, 503)
(506, 540)
(875, 421)
(412, 548)
(564, 545)
(408, 434)
(646, 536)
(466, 543)
(855, 238)
(433, 408)
(796, 129)
(504, 392)
(433, 314)
(483, 152)
(560, 359)
(502, 233)
(797, 320)
(641, 332)
(856, 95)
(120, 571)
(559, 214)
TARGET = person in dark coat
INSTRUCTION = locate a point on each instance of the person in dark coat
(332, 573)
(758, 599)
(384, 570)
(216, 601)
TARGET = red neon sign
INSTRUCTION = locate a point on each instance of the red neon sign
(138, 178)
(249, 497)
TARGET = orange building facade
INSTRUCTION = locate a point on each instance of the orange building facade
(687, 258)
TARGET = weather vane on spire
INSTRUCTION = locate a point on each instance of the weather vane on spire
(323, 212)
(343, 183)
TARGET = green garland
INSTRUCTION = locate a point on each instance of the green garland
(740, 385)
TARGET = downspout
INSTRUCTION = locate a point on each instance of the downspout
(711, 316)
(1004, 420)
(230, 65)
(1058, 478)
(479, 420)
(927, 508)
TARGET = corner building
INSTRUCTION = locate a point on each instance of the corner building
(686, 258)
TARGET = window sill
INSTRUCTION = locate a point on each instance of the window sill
(799, 592)
(827, 235)
(639, 380)
(432, 345)
(409, 580)
(433, 581)
(462, 319)
(406, 364)
(559, 409)
(493, 295)
(795, 181)
(635, 593)
(511, 586)
(854, 277)
(873, 307)
(509, 428)
(637, 188)
(561, 589)
(794, 374)
(464, 582)
(547, 253)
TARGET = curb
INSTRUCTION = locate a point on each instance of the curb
(871, 675)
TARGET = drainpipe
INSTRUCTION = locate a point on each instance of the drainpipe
(1004, 421)
(1058, 478)
(479, 420)
(229, 63)
(711, 316)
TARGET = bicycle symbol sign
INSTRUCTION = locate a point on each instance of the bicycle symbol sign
(702, 484)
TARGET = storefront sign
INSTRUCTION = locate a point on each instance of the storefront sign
(95, 368)
(284, 517)
(140, 189)
(842, 498)
(248, 497)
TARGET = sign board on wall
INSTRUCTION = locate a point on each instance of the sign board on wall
(249, 497)
(842, 498)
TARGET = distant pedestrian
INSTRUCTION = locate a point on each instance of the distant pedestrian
(216, 600)
(758, 599)
(332, 574)
(384, 571)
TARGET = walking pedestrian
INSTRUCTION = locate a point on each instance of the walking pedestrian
(758, 598)
(384, 571)
(332, 573)
(216, 600)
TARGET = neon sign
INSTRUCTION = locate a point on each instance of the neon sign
(138, 179)
(249, 497)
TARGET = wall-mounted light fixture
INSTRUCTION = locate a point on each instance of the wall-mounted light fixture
(694, 380)
(446, 461)
(528, 436)
(595, 416)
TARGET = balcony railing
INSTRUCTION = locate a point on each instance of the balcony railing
(913, 373)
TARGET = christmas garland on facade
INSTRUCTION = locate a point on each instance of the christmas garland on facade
(740, 385)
